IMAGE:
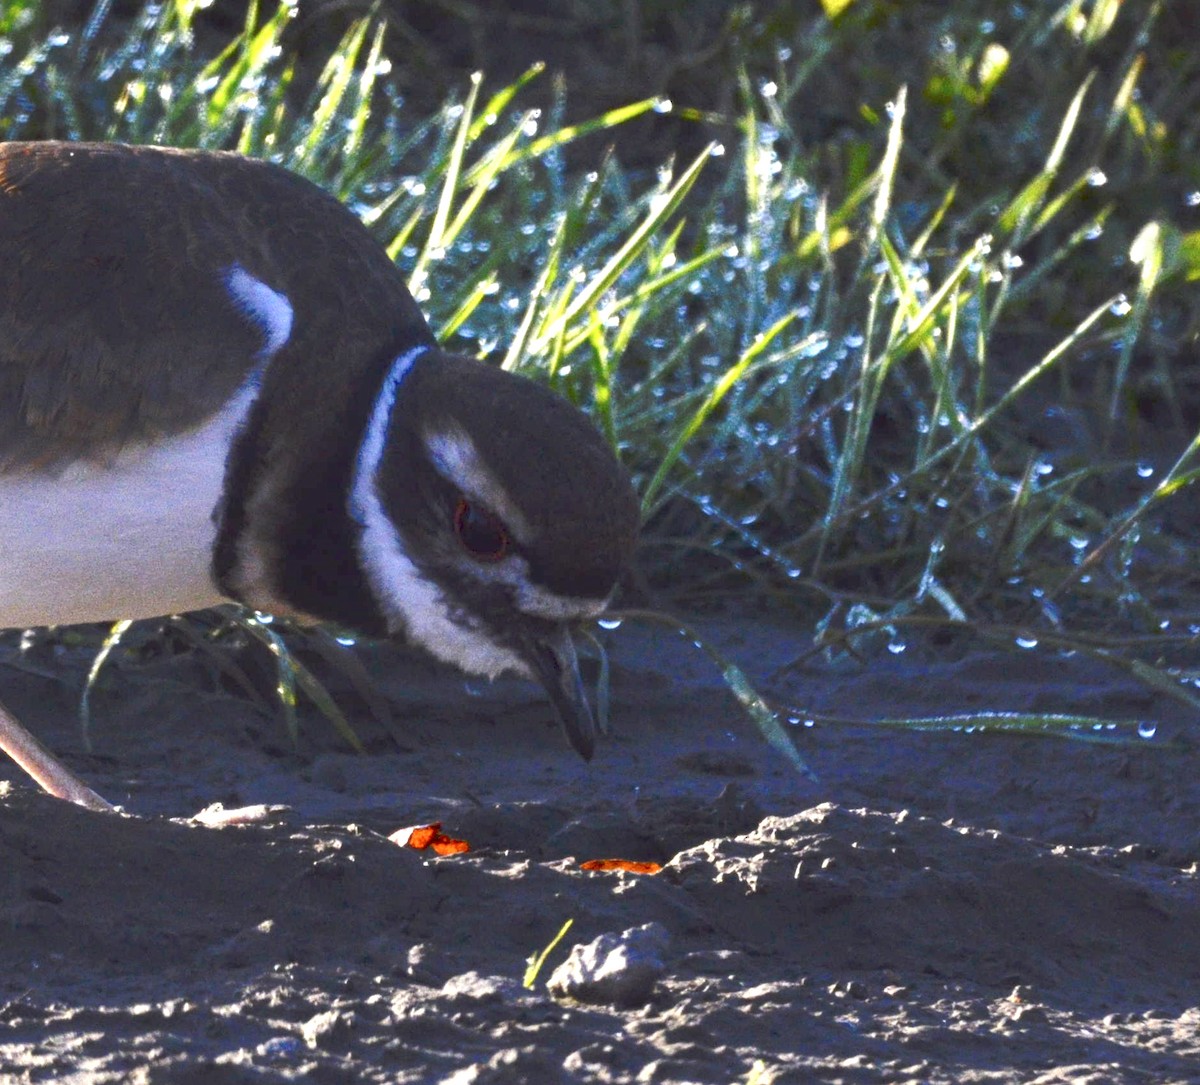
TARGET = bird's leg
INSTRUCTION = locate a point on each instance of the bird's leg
(47, 771)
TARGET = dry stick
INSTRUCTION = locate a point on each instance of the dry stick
(47, 771)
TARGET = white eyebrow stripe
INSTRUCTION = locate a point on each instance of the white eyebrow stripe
(269, 309)
(457, 460)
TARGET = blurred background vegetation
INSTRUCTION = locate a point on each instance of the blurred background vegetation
(891, 306)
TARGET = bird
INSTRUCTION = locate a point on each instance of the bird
(216, 386)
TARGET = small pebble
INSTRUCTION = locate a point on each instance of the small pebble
(1029, 1015)
(614, 969)
(849, 989)
(329, 1031)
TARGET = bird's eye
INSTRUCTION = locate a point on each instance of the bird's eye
(482, 534)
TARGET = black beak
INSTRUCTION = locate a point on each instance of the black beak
(552, 660)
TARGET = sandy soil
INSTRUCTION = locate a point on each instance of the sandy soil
(937, 908)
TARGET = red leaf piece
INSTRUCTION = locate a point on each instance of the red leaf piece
(421, 837)
(632, 866)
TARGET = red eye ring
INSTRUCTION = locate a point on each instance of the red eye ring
(482, 533)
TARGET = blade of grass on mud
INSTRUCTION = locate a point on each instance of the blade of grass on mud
(1095, 729)
(537, 960)
(111, 640)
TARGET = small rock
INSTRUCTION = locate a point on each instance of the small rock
(513, 1066)
(1029, 1015)
(475, 987)
(615, 969)
(849, 989)
(330, 1031)
(279, 1048)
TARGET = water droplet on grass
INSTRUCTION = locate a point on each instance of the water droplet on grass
(1147, 730)
(609, 623)
(1026, 641)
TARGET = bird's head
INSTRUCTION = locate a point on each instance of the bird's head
(494, 520)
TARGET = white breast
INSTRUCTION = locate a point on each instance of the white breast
(127, 539)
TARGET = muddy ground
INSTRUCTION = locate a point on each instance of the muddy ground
(936, 908)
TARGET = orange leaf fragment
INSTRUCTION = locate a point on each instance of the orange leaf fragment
(421, 837)
(633, 866)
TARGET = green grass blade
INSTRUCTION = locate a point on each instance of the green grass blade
(693, 425)
(537, 960)
(113, 638)
(660, 211)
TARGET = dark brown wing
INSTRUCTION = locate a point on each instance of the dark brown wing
(116, 321)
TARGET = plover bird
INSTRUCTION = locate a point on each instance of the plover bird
(214, 386)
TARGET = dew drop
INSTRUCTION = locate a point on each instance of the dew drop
(1147, 730)
(609, 623)
(1026, 641)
